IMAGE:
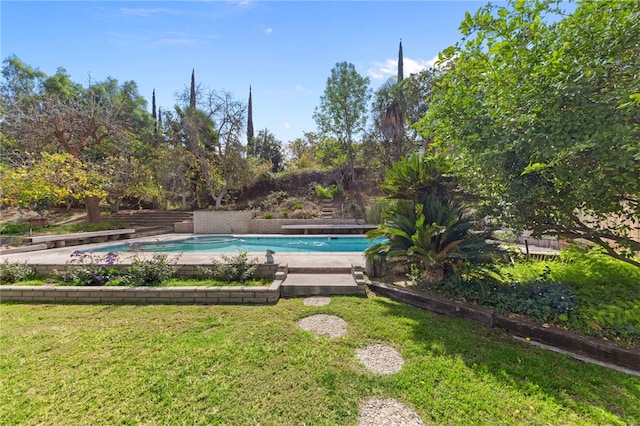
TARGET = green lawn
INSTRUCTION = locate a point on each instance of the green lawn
(239, 365)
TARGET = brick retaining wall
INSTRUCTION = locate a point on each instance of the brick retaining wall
(153, 295)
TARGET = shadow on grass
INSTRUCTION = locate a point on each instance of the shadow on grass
(516, 365)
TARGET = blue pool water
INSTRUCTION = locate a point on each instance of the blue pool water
(226, 243)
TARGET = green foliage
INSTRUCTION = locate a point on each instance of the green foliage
(343, 107)
(327, 193)
(89, 269)
(418, 175)
(534, 105)
(150, 272)
(542, 299)
(607, 289)
(11, 272)
(376, 212)
(236, 268)
(13, 228)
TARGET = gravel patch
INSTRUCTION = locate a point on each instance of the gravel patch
(316, 301)
(380, 359)
(387, 412)
(325, 325)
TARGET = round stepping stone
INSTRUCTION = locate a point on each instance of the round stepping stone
(379, 412)
(381, 359)
(325, 325)
(316, 301)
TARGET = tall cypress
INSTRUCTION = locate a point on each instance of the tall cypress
(250, 125)
(192, 95)
(400, 64)
(160, 119)
(153, 111)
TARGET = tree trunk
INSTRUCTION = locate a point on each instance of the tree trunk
(92, 207)
(219, 198)
(115, 206)
(433, 274)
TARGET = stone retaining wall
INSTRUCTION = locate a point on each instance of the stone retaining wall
(243, 222)
(143, 295)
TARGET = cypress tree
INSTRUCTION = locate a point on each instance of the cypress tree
(400, 64)
(250, 125)
(192, 95)
(153, 111)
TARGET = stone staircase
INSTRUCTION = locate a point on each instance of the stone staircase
(304, 281)
(326, 210)
(155, 222)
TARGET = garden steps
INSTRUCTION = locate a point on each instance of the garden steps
(301, 281)
(153, 222)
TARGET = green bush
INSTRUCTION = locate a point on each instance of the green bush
(327, 193)
(14, 272)
(236, 268)
(542, 299)
(89, 269)
(149, 272)
(268, 215)
(13, 228)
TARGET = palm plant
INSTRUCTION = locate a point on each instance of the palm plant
(435, 235)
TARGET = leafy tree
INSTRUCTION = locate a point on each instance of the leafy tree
(52, 179)
(541, 112)
(343, 108)
(50, 114)
(266, 147)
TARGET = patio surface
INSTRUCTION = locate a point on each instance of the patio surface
(59, 256)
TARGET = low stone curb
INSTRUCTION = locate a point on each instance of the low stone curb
(597, 349)
(142, 295)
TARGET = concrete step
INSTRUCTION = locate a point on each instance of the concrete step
(315, 284)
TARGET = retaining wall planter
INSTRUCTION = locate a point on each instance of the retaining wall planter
(142, 295)
(597, 349)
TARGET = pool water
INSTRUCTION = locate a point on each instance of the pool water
(227, 243)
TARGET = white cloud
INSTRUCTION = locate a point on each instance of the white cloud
(286, 125)
(300, 88)
(145, 12)
(388, 68)
(268, 30)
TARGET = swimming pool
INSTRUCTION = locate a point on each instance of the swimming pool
(230, 243)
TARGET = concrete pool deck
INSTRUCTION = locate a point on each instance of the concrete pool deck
(59, 256)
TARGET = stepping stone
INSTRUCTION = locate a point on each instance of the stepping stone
(325, 325)
(381, 359)
(378, 412)
(316, 301)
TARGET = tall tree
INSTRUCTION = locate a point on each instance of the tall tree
(192, 92)
(268, 148)
(343, 108)
(541, 111)
(54, 114)
(153, 111)
(400, 64)
(250, 123)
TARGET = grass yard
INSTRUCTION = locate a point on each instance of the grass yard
(244, 365)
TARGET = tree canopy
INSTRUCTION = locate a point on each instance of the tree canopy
(541, 111)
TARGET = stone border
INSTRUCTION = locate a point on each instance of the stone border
(597, 349)
(142, 295)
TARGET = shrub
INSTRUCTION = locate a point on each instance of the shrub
(236, 268)
(148, 272)
(14, 272)
(89, 269)
(542, 299)
(268, 215)
(12, 228)
(327, 193)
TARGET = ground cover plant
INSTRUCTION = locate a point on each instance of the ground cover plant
(583, 290)
(153, 364)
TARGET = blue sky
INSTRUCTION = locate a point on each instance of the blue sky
(284, 49)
